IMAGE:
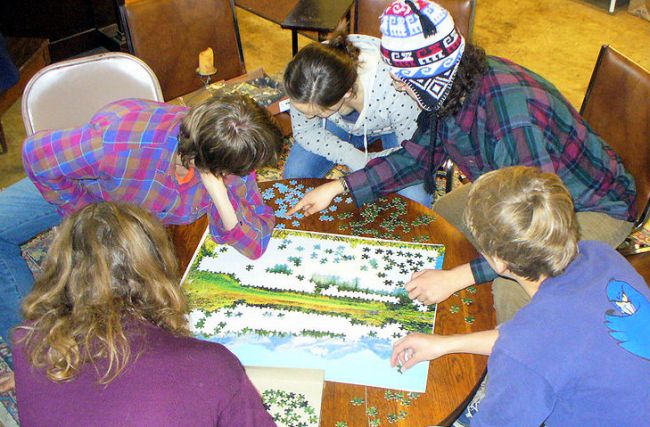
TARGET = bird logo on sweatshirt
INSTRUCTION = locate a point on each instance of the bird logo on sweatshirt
(629, 321)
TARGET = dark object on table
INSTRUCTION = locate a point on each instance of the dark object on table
(8, 71)
(28, 55)
(317, 15)
(264, 90)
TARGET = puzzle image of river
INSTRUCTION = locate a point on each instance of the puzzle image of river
(314, 300)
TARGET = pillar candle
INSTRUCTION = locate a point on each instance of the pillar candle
(206, 62)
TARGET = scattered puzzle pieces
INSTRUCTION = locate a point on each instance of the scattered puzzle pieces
(357, 401)
(423, 220)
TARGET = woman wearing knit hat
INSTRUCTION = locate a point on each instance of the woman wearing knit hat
(342, 97)
(483, 113)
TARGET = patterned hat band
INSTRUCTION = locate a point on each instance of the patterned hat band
(430, 93)
(426, 55)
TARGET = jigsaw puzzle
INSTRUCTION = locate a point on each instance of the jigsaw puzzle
(314, 300)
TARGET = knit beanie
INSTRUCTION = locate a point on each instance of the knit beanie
(423, 47)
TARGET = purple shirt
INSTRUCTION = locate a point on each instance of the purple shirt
(125, 154)
(176, 381)
(578, 354)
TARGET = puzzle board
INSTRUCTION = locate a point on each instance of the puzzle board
(314, 300)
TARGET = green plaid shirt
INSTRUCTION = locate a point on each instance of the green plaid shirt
(513, 117)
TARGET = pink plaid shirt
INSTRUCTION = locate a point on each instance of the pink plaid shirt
(125, 154)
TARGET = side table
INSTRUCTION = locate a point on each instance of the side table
(316, 15)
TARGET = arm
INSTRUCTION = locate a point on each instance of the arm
(381, 176)
(245, 408)
(481, 270)
(319, 198)
(395, 171)
(57, 161)
(247, 223)
(434, 286)
(416, 347)
(238, 403)
(516, 395)
(219, 195)
(311, 134)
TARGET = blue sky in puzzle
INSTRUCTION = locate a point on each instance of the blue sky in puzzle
(348, 268)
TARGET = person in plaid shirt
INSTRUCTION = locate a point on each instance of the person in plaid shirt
(483, 113)
(177, 163)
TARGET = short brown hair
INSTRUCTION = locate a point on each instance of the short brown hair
(526, 218)
(109, 264)
(229, 134)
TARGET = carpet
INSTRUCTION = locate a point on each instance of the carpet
(8, 408)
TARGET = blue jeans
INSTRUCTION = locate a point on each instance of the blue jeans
(305, 164)
(23, 215)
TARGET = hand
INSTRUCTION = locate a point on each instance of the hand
(7, 383)
(415, 348)
(318, 199)
(434, 286)
(216, 188)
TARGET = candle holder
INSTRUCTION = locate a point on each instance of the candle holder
(205, 78)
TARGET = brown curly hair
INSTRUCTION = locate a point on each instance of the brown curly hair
(108, 265)
(472, 67)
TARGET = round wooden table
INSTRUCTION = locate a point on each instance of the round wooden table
(452, 378)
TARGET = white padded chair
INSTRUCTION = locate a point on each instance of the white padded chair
(68, 93)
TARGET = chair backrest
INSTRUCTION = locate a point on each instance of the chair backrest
(617, 107)
(169, 34)
(369, 11)
(68, 93)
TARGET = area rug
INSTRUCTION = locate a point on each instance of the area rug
(8, 408)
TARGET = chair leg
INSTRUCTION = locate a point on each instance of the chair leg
(449, 173)
(3, 141)
(612, 6)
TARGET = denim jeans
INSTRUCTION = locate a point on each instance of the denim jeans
(305, 164)
(23, 215)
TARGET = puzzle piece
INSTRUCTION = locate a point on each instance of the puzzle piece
(357, 401)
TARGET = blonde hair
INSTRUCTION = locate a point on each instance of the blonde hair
(526, 218)
(109, 264)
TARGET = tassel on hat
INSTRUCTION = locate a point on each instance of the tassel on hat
(428, 28)
(425, 52)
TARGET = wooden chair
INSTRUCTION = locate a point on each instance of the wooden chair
(169, 34)
(68, 93)
(367, 15)
(617, 107)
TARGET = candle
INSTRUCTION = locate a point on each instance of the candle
(206, 62)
